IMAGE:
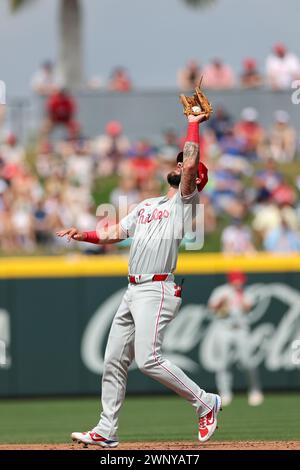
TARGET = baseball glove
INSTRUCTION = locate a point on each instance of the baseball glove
(197, 104)
(223, 309)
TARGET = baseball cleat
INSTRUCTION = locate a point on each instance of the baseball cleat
(226, 399)
(92, 438)
(208, 423)
(255, 398)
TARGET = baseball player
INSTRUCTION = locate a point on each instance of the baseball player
(230, 304)
(152, 299)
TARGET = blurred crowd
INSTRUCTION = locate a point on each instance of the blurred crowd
(251, 200)
(47, 80)
(281, 68)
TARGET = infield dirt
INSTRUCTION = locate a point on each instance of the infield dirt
(175, 445)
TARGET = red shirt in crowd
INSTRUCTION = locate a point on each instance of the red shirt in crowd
(251, 132)
(61, 108)
(143, 168)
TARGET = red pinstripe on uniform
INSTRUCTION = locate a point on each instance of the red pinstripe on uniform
(155, 355)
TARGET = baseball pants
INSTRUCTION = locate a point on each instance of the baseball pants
(137, 332)
(234, 340)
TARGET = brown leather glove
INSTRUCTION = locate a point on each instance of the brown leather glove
(197, 104)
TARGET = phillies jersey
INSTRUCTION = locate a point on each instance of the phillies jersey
(234, 302)
(157, 227)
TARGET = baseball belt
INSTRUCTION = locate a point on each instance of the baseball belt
(140, 278)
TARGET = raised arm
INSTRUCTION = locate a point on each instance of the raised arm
(191, 155)
(113, 234)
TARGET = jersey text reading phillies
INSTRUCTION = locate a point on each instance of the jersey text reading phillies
(157, 227)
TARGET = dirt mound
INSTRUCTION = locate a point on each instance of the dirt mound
(180, 445)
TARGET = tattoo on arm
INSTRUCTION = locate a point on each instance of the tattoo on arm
(190, 166)
(191, 151)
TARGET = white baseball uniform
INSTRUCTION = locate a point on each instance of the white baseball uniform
(137, 332)
(232, 333)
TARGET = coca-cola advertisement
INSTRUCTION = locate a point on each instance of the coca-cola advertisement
(68, 320)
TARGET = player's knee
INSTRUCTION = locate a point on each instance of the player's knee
(109, 366)
(146, 364)
(113, 361)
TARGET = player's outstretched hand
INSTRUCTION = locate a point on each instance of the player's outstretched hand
(199, 118)
(71, 233)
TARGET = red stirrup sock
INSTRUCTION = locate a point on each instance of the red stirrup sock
(193, 132)
(91, 237)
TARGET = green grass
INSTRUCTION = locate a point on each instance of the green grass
(148, 418)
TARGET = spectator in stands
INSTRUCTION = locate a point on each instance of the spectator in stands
(260, 199)
(120, 81)
(12, 159)
(226, 192)
(189, 77)
(220, 122)
(11, 151)
(45, 159)
(249, 129)
(232, 156)
(250, 76)
(282, 239)
(211, 147)
(41, 224)
(56, 183)
(60, 112)
(8, 243)
(232, 143)
(56, 207)
(142, 164)
(22, 222)
(126, 192)
(77, 194)
(237, 238)
(45, 81)
(170, 139)
(268, 215)
(168, 151)
(110, 148)
(95, 83)
(268, 179)
(218, 76)
(282, 67)
(80, 167)
(284, 194)
(210, 217)
(283, 138)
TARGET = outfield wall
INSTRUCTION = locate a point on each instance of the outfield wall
(162, 108)
(55, 315)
